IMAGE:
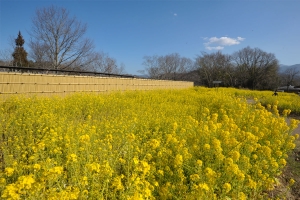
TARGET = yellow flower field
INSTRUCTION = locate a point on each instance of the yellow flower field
(193, 143)
(284, 100)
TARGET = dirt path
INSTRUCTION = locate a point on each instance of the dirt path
(291, 171)
(297, 130)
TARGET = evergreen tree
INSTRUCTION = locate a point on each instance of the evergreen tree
(20, 54)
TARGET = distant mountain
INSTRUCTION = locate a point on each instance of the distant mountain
(141, 76)
(282, 68)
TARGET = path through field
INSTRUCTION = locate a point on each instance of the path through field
(291, 171)
(297, 130)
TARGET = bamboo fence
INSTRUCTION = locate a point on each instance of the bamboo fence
(47, 85)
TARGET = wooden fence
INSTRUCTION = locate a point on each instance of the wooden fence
(45, 84)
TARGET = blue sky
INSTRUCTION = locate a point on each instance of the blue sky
(128, 30)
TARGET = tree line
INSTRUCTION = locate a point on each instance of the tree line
(249, 67)
(57, 42)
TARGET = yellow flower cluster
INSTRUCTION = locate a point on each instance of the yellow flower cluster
(286, 102)
(195, 143)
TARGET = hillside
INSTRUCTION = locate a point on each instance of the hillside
(282, 67)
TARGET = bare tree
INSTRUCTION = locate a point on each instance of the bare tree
(39, 53)
(100, 62)
(258, 69)
(215, 67)
(6, 58)
(290, 75)
(152, 67)
(122, 68)
(58, 38)
(170, 66)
